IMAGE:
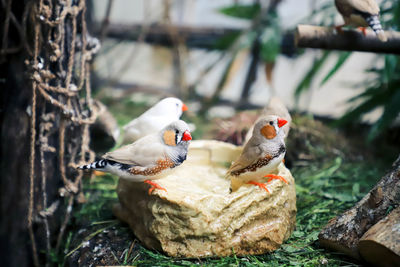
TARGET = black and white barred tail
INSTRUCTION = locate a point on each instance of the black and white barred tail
(99, 164)
(375, 24)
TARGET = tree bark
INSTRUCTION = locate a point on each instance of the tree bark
(14, 168)
(31, 210)
(308, 36)
(343, 233)
(381, 244)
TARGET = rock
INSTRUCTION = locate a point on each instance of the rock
(197, 217)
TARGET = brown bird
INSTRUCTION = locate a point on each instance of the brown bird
(149, 158)
(361, 13)
(261, 155)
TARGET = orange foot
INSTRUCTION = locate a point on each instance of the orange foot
(363, 30)
(261, 185)
(154, 186)
(273, 176)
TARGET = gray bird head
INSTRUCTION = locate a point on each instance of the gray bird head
(176, 134)
(177, 137)
(269, 127)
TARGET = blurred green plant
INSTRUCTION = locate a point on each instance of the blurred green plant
(381, 91)
(241, 11)
(269, 29)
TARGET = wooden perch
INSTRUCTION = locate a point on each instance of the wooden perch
(381, 244)
(205, 37)
(308, 36)
(344, 232)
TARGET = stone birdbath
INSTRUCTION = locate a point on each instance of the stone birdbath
(198, 217)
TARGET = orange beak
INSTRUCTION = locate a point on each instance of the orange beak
(186, 136)
(184, 107)
(281, 122)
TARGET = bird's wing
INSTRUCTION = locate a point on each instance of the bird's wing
(144, 152)
(365, 6)
(250, 155)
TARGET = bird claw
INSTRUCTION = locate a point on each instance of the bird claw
(261, 185)
(154, 186)
(277, 177)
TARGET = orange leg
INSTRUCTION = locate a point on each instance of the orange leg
(99, 173)
(363, 30)
(154, 186)
(273, 176)
(261, 185)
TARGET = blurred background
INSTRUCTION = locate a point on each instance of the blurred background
(225, 53)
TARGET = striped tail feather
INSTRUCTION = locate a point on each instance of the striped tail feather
(375, 24)
(99, 164)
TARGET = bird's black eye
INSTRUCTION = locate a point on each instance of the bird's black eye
(271, 123)
(176, 131)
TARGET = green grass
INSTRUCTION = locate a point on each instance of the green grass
(325, 188)
(322, 192)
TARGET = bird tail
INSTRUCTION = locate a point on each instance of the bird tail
(99, 164)
(375, 24)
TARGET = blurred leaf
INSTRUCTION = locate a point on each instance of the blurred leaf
(241, 11)
(356, 189)
(366, 106)
(341, 60)
(392, 110)
(226, 41)
(271, 40)
(306, 82)
(390, 68)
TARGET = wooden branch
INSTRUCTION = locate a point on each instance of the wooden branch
(344, 232)
(381, 244)
(158, 34)
(308, 36)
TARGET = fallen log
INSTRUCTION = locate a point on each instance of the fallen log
(380, 245)
(344, 232)
(309, 36)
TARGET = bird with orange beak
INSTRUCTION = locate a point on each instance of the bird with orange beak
(154, 119)
(150, 158)
(261, 155)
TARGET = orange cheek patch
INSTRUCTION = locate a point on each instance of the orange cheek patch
(169, 138)
(268, 131)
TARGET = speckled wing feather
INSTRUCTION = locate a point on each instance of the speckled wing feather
(143, 152)
(365, 6)
(251, 155)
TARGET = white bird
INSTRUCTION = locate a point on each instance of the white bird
(154, 119)
(150, 157)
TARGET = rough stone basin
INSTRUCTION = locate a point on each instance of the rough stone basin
(198, 217)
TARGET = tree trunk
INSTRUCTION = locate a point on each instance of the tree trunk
(43, 125)
(14, 166)
(344, 232)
